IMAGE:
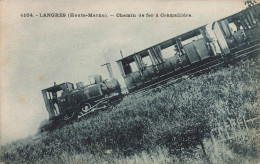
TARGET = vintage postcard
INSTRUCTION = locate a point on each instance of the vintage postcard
(129, 81)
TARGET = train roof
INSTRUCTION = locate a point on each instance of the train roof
(184, 36)
(56, 87)
(165, 44)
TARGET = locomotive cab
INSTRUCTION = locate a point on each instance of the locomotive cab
(52, 97)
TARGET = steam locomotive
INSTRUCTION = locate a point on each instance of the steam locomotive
(65, 102)
(199, 47)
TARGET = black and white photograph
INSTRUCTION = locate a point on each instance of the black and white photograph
(129, 82)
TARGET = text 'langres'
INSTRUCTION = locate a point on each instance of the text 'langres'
(52, 14)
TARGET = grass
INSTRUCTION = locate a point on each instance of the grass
(164, 126)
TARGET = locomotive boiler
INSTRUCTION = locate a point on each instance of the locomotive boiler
(64, 102)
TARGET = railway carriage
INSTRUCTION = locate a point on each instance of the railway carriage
(193, 49)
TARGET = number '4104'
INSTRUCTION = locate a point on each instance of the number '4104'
(26, 15)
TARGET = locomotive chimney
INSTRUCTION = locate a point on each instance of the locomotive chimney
(55, 84)
(109, 69)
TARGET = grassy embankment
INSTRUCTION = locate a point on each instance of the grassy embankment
(170, 125)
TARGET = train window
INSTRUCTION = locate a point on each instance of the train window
(168, 52)
(147, 61)
(59, 93)
(47, 94)
(127, 69)
(233, 27)
(50, 95)
(134, 67)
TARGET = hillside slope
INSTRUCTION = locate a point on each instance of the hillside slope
(169, 125)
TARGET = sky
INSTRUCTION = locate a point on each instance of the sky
(35, 52)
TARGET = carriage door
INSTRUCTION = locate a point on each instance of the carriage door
(220, 37)
(191, 52)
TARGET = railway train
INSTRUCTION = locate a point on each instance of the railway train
(193, 49)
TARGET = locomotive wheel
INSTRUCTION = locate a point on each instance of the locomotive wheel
(86, 107)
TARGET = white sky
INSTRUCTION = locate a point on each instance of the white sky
(35, 52)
